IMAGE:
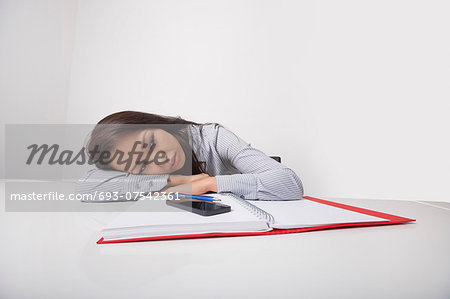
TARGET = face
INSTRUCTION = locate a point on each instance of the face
(160, 149)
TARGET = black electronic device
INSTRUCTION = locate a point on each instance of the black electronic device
(203, 208)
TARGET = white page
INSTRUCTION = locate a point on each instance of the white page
(176, 221)
(305, 213)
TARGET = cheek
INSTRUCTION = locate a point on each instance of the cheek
(170, 142)
(183, 156)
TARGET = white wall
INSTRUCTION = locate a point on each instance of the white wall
(352, 94)
(36, 43)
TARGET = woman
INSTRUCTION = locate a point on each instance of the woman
(149, 152)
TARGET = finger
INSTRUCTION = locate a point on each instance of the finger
(193, 188)
(177, 179)
(181, 188)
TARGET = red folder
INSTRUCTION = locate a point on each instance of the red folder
(390, 219)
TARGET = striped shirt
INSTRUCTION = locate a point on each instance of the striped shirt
(237, 166)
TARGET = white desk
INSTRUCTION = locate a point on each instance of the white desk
(54, 255)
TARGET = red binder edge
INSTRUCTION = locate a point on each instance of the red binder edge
(390, 219)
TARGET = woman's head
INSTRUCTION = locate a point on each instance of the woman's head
(143, 143)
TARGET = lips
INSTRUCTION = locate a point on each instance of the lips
(174, 161)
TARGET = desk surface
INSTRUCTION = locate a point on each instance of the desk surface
(54, 255)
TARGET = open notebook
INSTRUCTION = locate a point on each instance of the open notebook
(246, 218)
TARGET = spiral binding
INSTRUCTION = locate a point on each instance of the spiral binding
(258, 212)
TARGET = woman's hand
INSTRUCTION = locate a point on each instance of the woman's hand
(177, 179)
(195, 185)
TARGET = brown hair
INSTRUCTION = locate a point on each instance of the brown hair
(108, 131)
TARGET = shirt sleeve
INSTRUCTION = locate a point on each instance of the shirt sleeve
(261, 177)
(99, 180)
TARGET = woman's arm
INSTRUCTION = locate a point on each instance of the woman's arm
(97, 180)
(261, 177)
